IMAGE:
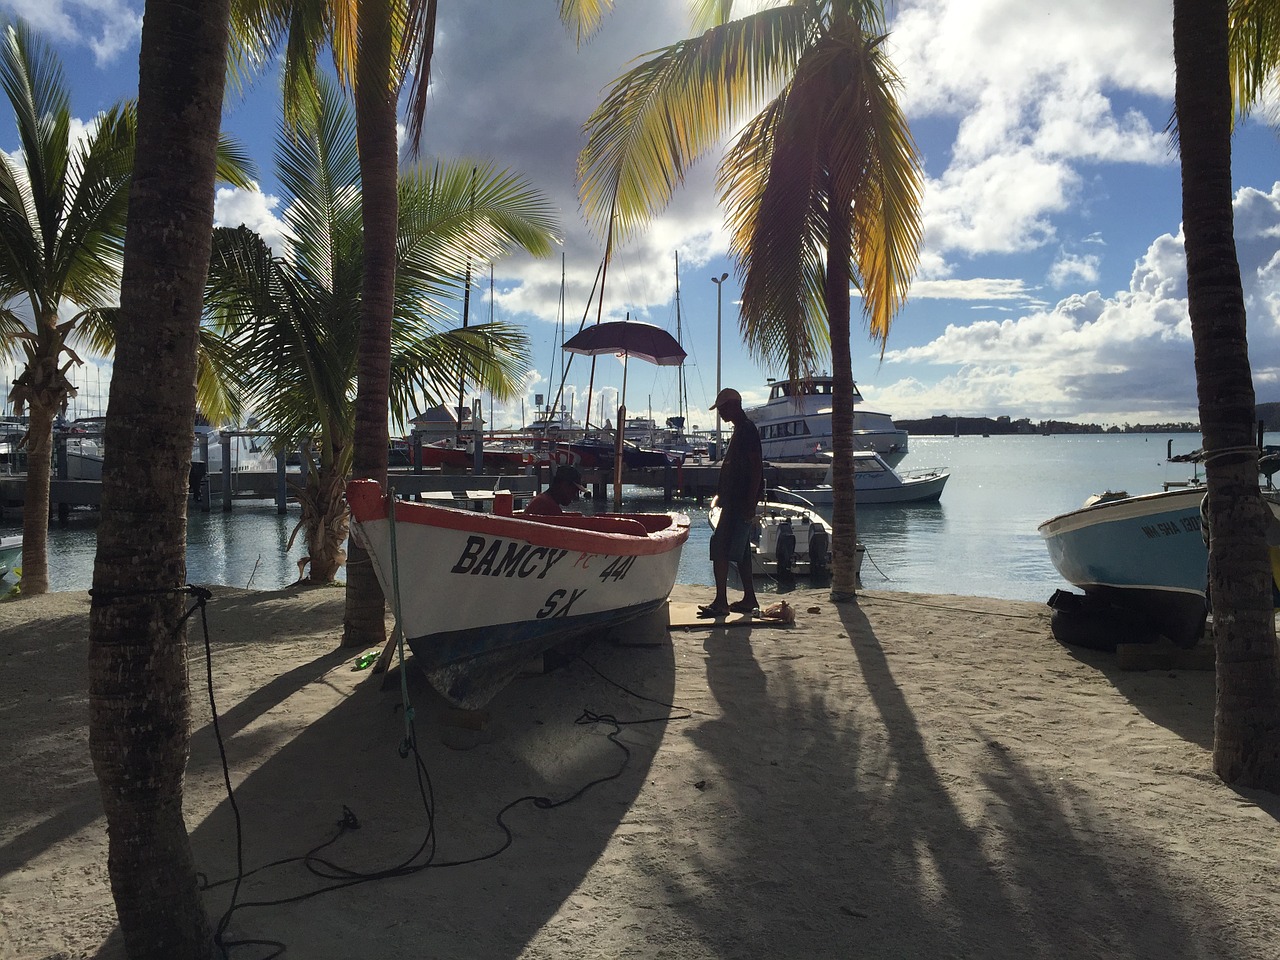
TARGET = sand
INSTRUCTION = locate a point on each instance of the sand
(914, 776)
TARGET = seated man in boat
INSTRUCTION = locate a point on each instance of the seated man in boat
(563, 490)
(739, 489)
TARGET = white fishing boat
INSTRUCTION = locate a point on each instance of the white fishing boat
(789, 540)
(876, 482)
(795, 423)
(10, 554)
(478, 595)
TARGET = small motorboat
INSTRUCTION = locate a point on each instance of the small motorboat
(1142, 554)
(789, 540)
(876, 482)
(478, 595)
(10, 554)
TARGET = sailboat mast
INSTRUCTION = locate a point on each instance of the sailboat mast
(681, 389)
(466, 311)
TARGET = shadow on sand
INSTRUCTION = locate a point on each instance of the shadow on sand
(536, 744)
(844, 840)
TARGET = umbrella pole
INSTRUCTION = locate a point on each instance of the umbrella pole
(619, 440)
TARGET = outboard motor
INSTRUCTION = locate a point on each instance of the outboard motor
(819, 548)
(785, 549)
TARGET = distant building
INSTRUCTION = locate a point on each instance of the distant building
(441, 423)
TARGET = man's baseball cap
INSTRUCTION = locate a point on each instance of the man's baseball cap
(727, 397)
(569, 474)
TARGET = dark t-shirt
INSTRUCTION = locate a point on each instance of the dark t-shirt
(544, 505)
(741, 459)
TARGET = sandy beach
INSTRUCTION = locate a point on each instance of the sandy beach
(913, 776)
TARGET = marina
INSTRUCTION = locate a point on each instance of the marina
(980, 539)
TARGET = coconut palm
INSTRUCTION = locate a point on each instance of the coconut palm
(294, 316)
(822, 188)
(139, 724)
(1246, 748)
(62, 217)
(376, 44)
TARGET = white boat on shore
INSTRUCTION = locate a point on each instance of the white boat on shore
(479, 595)
(789, 540)
(795, 423)
(876, 482)
(10, 554)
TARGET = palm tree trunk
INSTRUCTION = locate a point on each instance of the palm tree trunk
(327, 521)
(139, 733)
(35, 498)
(364, 618)
(844, 535)
(1246, 747)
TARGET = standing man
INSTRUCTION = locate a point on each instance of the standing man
(738, 492)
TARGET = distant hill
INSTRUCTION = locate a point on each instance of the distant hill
(1269, 414)
(947, 426)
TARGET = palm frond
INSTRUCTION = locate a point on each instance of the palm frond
(773, 183)
(1254, 51)
(235, 165)
(35, 85)
(665, 113)
(584, 17)
(875, 165)
(426, 368)
(87, 258)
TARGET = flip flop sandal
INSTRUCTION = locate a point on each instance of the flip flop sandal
(741, 606)
(708, 611)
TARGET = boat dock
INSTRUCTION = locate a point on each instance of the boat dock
(694, 480)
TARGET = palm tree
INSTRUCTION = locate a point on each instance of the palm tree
(294, 317)
(62, 218)
(1246, 749)
(376, 44)
(822, 189)
(139, 725)
(62, 211)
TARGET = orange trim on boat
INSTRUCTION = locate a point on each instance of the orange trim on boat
(613, 534)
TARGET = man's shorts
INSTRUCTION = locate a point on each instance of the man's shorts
(731, 538)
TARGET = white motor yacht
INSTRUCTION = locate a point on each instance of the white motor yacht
(795, 423)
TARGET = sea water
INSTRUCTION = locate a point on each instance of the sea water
(980, 539)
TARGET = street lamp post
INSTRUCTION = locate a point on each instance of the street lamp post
(718, 281)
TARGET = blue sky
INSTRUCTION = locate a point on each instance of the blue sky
(1052, 280)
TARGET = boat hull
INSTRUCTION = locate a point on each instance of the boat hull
(923, 489)
(804, 534)
(481, 594)
(1144, 554)
(10, 555)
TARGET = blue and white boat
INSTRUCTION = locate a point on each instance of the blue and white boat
(1142, 554)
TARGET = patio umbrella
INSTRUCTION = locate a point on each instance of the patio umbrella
(626, 338)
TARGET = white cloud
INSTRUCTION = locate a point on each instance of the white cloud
(1090, 357)
(1071, 267)
(107, 27)
(1001, 204)
(974, 288)
(254, 209)
(1037, 91)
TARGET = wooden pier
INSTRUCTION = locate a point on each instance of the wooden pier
(694, 480)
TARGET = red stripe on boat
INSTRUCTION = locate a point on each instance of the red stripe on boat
(625, 535)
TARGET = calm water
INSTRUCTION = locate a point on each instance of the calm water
(980, 540)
